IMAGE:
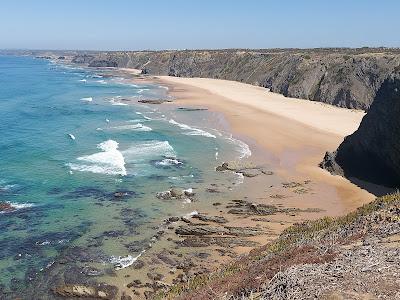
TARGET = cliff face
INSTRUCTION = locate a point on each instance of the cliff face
(372, 153)
(342, 77)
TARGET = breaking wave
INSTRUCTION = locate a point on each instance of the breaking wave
(109, 161)
(192, 130)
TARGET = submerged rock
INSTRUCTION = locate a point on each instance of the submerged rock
(6, 207)
(82, 291)
(175, 193)
(154, 101)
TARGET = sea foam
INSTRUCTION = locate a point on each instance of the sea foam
(242, 147)
(122, 262)
(110, 161)
(145, 150)
(135, 127)
(192, 130)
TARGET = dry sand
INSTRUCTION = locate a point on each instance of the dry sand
(295, 133)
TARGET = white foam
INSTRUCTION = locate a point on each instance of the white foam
(113, 102)
(240, 178)
(242, 147)
(110, 161)
(191, 214)
(145, 150)
(17, 206)
(169, 162)
(192, 130)
(102, 81)
(83, 80)
(122, 262)
(136, 127)
(87, 99)
(4, 186)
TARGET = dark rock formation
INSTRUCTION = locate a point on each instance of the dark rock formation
(372, 153)
(5, 206)
(102, 63)
(343, 77)
(83, 59)
(154, 101)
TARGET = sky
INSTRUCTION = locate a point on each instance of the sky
(200, 24)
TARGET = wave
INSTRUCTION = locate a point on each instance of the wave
(87, 99)
(101, 81)
(122, 262)
(83, 80)
(192, 130)
(5, 186)
(139, 91)
(242, 147)
(136, 127)
(113, 102)
(110, 161)
(145, 150)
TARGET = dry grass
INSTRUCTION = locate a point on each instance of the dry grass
(294, 246)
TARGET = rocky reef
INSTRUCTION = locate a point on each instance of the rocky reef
(346, 257)
(372, 153)
(339, 76)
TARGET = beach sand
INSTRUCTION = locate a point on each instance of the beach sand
(295, 133)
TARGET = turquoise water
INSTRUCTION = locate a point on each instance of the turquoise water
(82, 168)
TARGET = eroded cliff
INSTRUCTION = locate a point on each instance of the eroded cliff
(342, 77)
(372, 153)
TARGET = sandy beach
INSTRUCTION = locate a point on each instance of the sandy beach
(295, 133)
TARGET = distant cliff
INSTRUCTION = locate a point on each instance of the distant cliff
(342, 77)
(372, 153)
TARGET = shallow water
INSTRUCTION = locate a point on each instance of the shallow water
(82, 168)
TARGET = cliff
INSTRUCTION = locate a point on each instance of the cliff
(342, 77)
(372, 153)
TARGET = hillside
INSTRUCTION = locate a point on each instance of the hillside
(351, 257)
(342, 77)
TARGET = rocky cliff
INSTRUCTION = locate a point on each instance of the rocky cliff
(372, 153)
(343, 77)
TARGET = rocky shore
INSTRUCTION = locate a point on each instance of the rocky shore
(372, 153)
(347, 257)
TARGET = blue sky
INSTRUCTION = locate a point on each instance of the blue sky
(179, 24)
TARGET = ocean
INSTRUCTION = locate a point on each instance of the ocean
(81, 163)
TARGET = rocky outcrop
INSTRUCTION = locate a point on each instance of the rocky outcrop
(372, 153)
(6, 207)
(103, 63)
(343, 77)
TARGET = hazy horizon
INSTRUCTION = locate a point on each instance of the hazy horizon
(177, 24)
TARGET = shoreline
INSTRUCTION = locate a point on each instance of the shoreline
(289, 148)
(300, 191)
(294, 145)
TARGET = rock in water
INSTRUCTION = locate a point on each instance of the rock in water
(5, 206)
(372, 153)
